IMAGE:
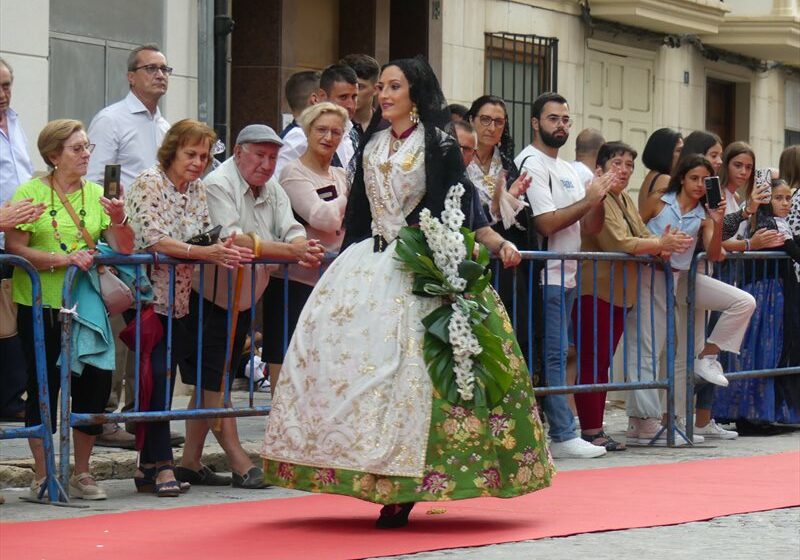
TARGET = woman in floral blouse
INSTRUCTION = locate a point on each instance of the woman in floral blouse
(167, 206)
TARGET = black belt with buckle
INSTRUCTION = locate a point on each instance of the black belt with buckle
(379, 244)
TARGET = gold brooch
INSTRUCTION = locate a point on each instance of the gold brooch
(409, 161)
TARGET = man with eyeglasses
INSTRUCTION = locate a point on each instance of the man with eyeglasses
(562, 206)
(246, 200)
(129, 133)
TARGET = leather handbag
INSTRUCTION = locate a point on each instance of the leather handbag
(8, 310)
(206, 238)
(116, 294)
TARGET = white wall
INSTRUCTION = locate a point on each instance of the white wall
(24, 43)
(180, 47)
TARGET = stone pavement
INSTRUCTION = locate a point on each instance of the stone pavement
(766, 536)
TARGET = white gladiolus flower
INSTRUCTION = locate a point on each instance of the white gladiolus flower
(465, 345)
(447, 245)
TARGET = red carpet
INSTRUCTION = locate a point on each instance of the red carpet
(326, 527)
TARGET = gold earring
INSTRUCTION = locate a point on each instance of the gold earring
(414, 115)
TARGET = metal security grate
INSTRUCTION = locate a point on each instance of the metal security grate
(519, 68)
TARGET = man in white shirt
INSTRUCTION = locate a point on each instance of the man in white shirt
(129, 133)
(15, 163)
(587, 144)
(15, 169)
(338, 84)
(249, 204)
(561, 206)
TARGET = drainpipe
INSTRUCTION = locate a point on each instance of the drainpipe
(205, 61)
(223, 25)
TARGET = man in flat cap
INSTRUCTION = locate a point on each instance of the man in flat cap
(250, 205)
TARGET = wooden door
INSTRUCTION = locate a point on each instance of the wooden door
(721, 109)
(618, 101)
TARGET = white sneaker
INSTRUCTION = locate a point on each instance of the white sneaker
(260, 377)
(709, 369)
(714, 430)
(575, 448)
(696, 438)
(647, 431)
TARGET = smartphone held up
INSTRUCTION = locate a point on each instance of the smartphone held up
(111, 188)
(713, 192)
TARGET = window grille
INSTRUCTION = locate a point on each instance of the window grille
(519, 68)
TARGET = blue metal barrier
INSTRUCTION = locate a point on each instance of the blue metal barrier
(631, 380)
(55, 492)
(631, 374)
(740, 270)
(70, 419)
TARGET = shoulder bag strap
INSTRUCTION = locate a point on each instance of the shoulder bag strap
(63, 198)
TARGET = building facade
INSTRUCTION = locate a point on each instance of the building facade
(627, 67)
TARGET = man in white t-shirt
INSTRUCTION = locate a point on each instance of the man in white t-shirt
(587, 144)
(561, 206)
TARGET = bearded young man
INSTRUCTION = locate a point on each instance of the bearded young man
(561, 206)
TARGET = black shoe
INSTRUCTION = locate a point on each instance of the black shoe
(204, 477)
(394, 516)
(252, 479)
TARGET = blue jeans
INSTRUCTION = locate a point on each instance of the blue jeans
(556, 342)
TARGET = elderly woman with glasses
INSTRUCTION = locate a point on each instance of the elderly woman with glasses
(500, 188)
(167, 205)
(53, 242)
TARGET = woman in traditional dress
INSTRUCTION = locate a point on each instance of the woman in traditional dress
(501, 190)
(355, 411)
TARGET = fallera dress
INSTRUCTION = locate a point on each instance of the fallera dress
(354, 411)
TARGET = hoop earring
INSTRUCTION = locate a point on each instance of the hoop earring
(414, 115)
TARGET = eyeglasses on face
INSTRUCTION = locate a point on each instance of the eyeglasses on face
(323, 131)
(486, 120)
(555, 120)
(153, 68)
(79, 148)
(467, 149)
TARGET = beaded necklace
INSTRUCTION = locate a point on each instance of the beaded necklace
(54, 222)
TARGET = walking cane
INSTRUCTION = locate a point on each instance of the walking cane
(217, 425)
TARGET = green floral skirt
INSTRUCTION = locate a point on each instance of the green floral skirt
(471, 452)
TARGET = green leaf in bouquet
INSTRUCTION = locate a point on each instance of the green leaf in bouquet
(480, 284)
(494, 386)
(420, 281)
(470, 271)
(415, 239)
(431, 268)
(440, 368)
(491, 345)
(437, 321)
(483, 256)
(479, 393)
(469, 241)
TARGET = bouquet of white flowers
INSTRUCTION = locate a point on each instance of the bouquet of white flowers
(466, 361)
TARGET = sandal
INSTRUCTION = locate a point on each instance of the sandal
(394, 516)
(147, 482)
(169, 489)
(602, 439)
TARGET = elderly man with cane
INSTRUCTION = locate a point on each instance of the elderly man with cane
(252, 208)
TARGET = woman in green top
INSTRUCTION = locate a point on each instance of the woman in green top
(52, 243)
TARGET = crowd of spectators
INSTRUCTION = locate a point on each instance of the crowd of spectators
(284, 196)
